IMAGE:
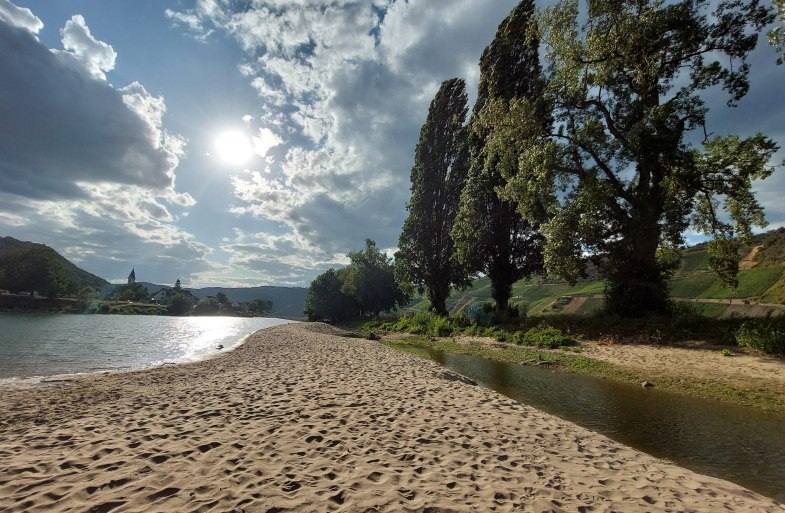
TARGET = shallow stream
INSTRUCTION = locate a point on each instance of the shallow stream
(743, 445)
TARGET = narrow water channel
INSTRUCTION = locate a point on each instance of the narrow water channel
(743, 445)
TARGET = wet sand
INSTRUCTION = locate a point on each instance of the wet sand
(300, 419)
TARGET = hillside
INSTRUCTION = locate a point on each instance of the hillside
(28, 266)
(761, 289)
(287, 301)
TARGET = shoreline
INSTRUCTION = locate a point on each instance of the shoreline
(743, 379)
(299, 418)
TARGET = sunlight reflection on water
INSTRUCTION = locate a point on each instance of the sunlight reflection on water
(42, 345)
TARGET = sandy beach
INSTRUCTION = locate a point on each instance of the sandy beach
(301, 419)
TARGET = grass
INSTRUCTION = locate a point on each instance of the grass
(713, 310)
(693, 285)
(753, 283)
(571, 361)
(586, 289)
(775, 293)
(693, 261)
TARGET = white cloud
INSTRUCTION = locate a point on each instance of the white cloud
(20, 17)
(96, 56)
(266, 140)
(347, 84)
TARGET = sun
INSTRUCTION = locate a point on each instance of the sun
(233, 147)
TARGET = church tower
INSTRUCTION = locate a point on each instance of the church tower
(132, 277)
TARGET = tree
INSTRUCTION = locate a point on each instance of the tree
(426, 251)
(619, 174)
(222, 299)
(132, 292)
(325, 299)
(206, 306)
(490, 235)
(260, 306)
(370, 280)
(777, 34)
(180, 304)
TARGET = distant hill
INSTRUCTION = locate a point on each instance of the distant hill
(287, 301)
(761, 289)
(27, 266)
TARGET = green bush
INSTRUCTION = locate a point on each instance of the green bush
(478, 314)
(425, 323)
(766, 334)
(547, 337)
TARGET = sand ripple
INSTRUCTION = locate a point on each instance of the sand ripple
(299, 419)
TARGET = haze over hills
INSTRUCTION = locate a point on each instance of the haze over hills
(287, 301)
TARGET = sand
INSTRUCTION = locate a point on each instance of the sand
(745, 368)
(299, 419)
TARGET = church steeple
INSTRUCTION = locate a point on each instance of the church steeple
(132, 277)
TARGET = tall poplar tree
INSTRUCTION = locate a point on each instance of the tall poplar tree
(425, 254)
(620, 174)
(490, 235)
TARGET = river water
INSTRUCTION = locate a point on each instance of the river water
(51, 344)
(740, 444)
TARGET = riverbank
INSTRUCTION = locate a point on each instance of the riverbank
(299, 419)
(739, 376)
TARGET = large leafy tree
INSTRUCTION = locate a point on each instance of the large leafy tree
(370, 280)
(621, 174)
(490, 235)
(425, 255)
(325, 299)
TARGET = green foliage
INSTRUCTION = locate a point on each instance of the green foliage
(132, 292)
(425, 255)
(206, 306)
(726, 352)
(366, 286)
(369, 280)
(752, 283)
(425, 323)
(777, 34)
(766, 334)
(490, 235)
(260, 306)
(223, 300)
(625, 81)
(546, 337)
(180, 304)
(478, 315)
(326, 300)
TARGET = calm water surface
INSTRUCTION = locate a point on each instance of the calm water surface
(49, 344)
(739, 444)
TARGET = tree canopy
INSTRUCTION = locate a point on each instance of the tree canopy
(366, 286)
(426, 253)
(619, 174)
(490, 235)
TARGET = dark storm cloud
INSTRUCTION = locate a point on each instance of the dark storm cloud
(61, 126)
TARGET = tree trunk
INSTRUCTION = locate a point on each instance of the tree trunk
(636, 285)
(501, 291)
(438, 294)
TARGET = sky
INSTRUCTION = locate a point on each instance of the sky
(245, 143)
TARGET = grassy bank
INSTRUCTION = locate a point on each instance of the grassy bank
(569, 359)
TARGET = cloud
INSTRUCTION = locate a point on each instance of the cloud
(20, 17)
(96, 56)
(62, 127)
(86, 167)
(345, 86)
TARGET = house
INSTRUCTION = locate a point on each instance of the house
(162, 296)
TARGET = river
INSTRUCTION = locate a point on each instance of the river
(52, 344)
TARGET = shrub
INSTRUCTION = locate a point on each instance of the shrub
(766, 334)
(478, 314)
(546, 337)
